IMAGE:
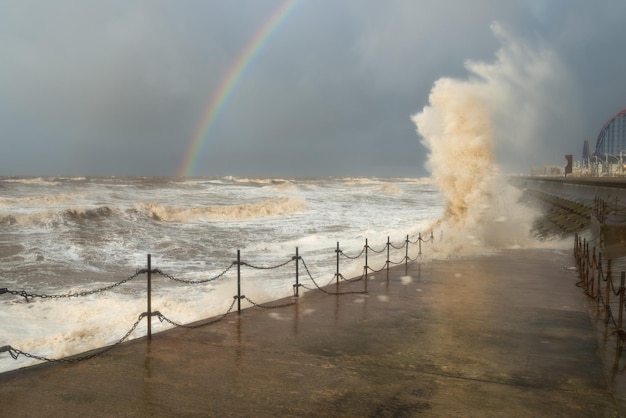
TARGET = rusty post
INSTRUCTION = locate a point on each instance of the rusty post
(337, 273)
(419, 240)
(607, 292)
(366, 265)
(239, 282)
(585, 259)
(593, 273)
(621, 310)
(587, 263)
(577, 253)
(580, 251)
(406, 255)
(297, 286)
(599, 269)
(149, 282)
(406, 251)
(388, 246)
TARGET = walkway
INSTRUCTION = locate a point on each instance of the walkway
(507, 335)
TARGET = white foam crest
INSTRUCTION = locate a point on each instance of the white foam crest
(256, 180)
(32, 180)
(358, 180)
(419, 180)
(54, 216)
(46, 200)
(270, 207)
(284, 187)
(459, 128)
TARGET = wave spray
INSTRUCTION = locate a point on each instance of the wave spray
(462, 127)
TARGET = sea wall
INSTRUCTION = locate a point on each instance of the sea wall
(583, 190)
(570, 206)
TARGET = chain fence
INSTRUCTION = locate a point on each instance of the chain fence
(338, 278)
(598, 283)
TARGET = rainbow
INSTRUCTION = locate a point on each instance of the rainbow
(228, 84)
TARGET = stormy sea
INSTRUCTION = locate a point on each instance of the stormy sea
(71, 236)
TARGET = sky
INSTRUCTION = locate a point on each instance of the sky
(92, 88)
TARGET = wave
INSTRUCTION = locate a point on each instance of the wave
(271, 207)
(352, 181)
(58, 216)
(89, 214)
(391, 189)
(47, 200)
(286, 186)
(32, 180)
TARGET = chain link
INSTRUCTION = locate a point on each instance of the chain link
(349, 257)
(398, 247)
(379, 270)
(27, 295)
(396, 263)
(169, 276)
(163, 318)
(243, 263)
(323, 290)
(413, 259)
(15, 353)
(269, 307)
(378, 251)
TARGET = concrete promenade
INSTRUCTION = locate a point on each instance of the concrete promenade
(509, 335)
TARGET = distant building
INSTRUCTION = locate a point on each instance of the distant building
(548, 170)
(586, 153)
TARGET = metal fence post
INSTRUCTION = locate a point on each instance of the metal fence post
(599, 269)
(149, 282)
(607, 292)
(239, 282)
(419, 239)
(297, 285)
(586, 269)
(337, 273)
(593, 273)
(388, 246)
(621, 310)
(366, 265)
(406, 255)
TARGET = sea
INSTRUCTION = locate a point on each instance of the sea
(77, 246)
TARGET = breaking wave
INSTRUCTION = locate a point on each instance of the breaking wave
(284, 187)
(58, 216)
(271, 207)
(45, 200)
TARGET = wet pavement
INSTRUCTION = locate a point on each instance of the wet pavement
(508, 335)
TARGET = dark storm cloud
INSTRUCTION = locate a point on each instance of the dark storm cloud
(117, 88)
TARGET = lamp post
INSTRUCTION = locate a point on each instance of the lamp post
(608, 165)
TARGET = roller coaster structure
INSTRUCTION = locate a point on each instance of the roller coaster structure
(611, 142)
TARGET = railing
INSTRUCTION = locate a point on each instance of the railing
(149, 271)
(611, 206)
(599, 285)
